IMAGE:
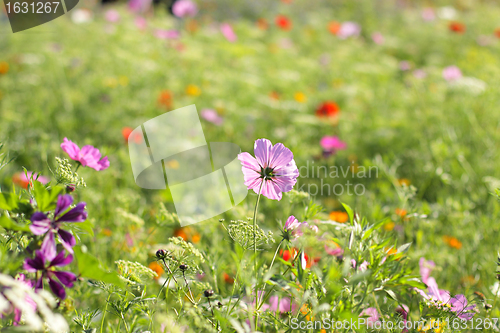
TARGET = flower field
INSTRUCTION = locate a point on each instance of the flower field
(368, 132)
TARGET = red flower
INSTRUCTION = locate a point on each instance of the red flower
(327, 109)
(165, 99)
(283, 22)
(334, 27)
(457, 27)
(227, 278)
(288, 255)
(497, 32)
(126, 131)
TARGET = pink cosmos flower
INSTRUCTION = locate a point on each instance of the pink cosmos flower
(87, 156)
(426, 267)
(372, 314)
(184, 8)
(272, 170)
(332, 144)
(349, 29)
(167, 34)
(140, 23)
(378, 38)
(428, 14)
(452, 73)
(228, 32)
(291, 223)
(112, 16)
(282, 305)
(212, 116)
(459, 306)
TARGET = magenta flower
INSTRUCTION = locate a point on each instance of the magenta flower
(45, 265)
(459, 306)
(18, 312)
(140, 23)
(184, 8)
(228, 32)
(426, 267)
(43, 225)
(291, 224)
(139, 6)
(272, 171)
(349, 29)
(334, 250)
(403, 310)
(452, 73)
(112, 16)
(282, 305)
(331, 144)
(167, 34)
(372, 315)
(363, 267)
(212, 116)
(87, 156)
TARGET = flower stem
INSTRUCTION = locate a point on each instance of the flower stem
(255, 251)
(105, 310)
(78, 166)
(275, 253)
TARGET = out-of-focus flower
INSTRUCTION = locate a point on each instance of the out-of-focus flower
(404, 181)
(334, 27)
(363, 267)
(167, 34)
(227, 278)
(228, 32)
(193, 90)
(419, 74)
(272, 170)
(404, 65)
(156, 267)
(20, 178)
(333, 249)
(165, 98)
(389, 226)
(327, 109)
(457, 27)
(401, 212)
(262, 24)
(141, 23)
(41, 224)
(459, 306)
(378, 38)
(447, 13)
(283, 22)
(497, 32)
(87, 156)
(46, 266)
(4, 67)
(112, 16)
(332, 144)
(289, 255)
(426, 267)
(307, 262)
(452, 73)
(139, 6)
(300, 97)
(184, 8)
(403, 310)
(428, 14)
(372, 314)
(349, 29)
(187, 234)
(274, 95)
(338, 216)
(18, 311)
(212, 116)
(81, 15)
(281, 305)
(452, 242)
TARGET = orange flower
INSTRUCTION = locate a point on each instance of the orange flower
(391, 251)
(156, 268)
(126, 131)
(227, 278)
(287, 1)
(389, 226)
(4, 67)
(457, 27)
(327, 109)
(404, 181)
(497, 32)
(165, 98)
(400, 212)
(334, 27)
(262, 24)
(289, 255)
(452, 242)
(192, 26)
(310, 262)
(274, 95)
(187, 234)
(283, 22)
(338, 216)
(106, 232)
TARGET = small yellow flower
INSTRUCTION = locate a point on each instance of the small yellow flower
(389, 226)
(123, 80)
(300, 97)
(193, 90)
(110, 82)
(404, 181)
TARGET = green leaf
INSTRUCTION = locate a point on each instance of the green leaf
(349, 211)
(86, 226)
(8, 201)
(413, 282)
(391, 294)
(8, 224)
(90, 267)
(45, 199)
(404, 247)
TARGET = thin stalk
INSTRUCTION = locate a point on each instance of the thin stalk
(170, 272)
(376, 303)
(105, 310)
(189, 288)
(275, 253)
(255, 251)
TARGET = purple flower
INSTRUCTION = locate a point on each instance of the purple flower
(372, 315)
(42, 224)
(452, 73)
(18, 312)
(426, 267)
(349, 29)
(212, 116)
(459, 306)
(167, 34)
(45, 265)
(331, 144)
(272, 171)
(228, 32)
(87, 156)
(139, 6)
(184, 8)
(112, 16)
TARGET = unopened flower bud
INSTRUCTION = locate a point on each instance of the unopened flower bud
(183, 267)
(208, 293)
(161, 254)
(70, 188)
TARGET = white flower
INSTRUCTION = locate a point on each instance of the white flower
(447, 13)
(495, 289)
